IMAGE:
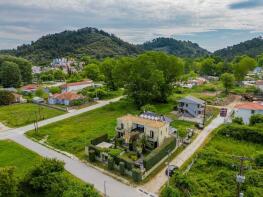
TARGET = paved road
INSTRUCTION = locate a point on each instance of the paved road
(88, 174)
(160, 179)
(22, 130)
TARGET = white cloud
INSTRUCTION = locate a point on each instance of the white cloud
(132, 20)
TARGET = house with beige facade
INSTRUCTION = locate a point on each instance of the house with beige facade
(155, 128)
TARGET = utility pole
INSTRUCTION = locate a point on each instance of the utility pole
(105, 194)
(36, 122)
(240, 178)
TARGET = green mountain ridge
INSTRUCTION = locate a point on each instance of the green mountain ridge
(86, 41)
(253, 48)
(175, 47)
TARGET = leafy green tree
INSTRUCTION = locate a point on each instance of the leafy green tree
(8, 182)
(40, 92)
(228, 81)
(77, 190)
(47, 177)
(92, 71)
(25, 67)
(151, 77)
(6, 98)
(242, 65)
(107, 68)
(208, 67)
(10, 74)
(59, 75)
(259, 159)
(54, 90)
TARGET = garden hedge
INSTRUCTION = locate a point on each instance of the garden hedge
(102, 138)
(96, 149)
(128, 165)
(110, 163)
(242, 132)
(160, 152)
(92, 155)
(122, 168)
(136, 174)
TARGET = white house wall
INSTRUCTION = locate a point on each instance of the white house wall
(245, 114)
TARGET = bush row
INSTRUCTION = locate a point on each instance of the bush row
(157, 154)
(102, 138)
(242, 132)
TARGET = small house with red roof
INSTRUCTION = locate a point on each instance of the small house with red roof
(77, 86)
(29, 88)
(65, 98)
(246, 110)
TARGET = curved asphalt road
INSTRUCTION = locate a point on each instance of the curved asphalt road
(88, 174)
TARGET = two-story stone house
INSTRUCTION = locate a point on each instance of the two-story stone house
(155, 128)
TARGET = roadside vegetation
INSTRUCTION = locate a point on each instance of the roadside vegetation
(22, 114)
(24, 173)
(214, 171)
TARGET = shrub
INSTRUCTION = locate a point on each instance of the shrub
(99, 139)
(148, 107)
(6, 98)
(259, 160)
(92, 155)
(170, 192)
(242, 132)
(256, 119)
(115, 152)
(122, 168)
(136, 174)
(110, 163)
(238, 120)
(157, 154)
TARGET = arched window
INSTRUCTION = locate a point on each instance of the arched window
(151, 134)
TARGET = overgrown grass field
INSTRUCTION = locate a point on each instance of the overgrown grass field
(214, 172)
(22, 114)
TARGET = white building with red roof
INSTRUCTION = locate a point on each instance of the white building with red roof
(246, 110)
(77, 86)
(65, 98)
(29, 88)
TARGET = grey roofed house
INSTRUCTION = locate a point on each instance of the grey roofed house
(191, 106)
(191, 99)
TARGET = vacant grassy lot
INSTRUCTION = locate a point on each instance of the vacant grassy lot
(214, 172)
(12, 154)
(22, 114)
(182, 126)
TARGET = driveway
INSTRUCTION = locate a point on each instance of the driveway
(156, 183)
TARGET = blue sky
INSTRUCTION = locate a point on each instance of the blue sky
(213, 24)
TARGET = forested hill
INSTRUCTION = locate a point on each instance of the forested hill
(175, 47)
(86, 41)
(252, 48)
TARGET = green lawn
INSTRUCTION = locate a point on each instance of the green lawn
(12, 154)
(213, 173)
(22, 114)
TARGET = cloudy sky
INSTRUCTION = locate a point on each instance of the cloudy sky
(213, 24)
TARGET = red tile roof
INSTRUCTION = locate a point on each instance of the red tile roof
(30, 87)
(77, 83)
(259, 82)
(68, 96)
(251, 106)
